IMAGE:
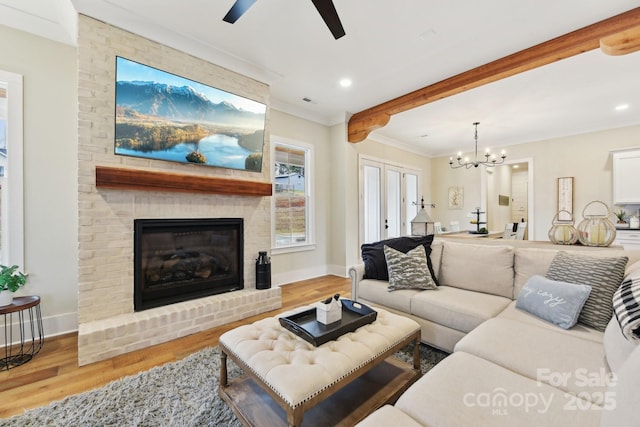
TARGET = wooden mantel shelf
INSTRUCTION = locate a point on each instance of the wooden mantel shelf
(146, 180)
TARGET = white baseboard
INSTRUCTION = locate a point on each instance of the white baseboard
(297, 275)
(52, 326)
(308, 273)
(60, 324)
(339, 270)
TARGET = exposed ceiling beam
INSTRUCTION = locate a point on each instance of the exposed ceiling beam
(621, 43)
(573, 43)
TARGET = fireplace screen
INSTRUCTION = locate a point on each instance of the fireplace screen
(181, 259)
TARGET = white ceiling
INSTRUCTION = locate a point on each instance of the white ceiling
(390, 48)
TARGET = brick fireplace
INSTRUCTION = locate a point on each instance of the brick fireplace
(108, 323)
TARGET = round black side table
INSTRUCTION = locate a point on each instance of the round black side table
(30, 330)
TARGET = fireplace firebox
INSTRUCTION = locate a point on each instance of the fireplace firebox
(181, 259)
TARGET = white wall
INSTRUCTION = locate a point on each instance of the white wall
(50, 182)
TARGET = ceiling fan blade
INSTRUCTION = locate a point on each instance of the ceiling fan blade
(328, 12)
(237, 10)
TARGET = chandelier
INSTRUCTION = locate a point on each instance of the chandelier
(489, 159)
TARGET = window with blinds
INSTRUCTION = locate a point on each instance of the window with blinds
(291, 195)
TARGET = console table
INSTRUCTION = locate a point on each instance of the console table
(30, 330)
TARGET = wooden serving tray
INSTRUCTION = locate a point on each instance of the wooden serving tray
(305, 325)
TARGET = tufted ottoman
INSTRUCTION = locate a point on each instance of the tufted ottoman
(347, 378)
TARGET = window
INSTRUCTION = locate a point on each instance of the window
(292, 198)
(389, 196)
(11, 181)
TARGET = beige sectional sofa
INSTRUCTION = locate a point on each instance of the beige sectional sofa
(507, 367)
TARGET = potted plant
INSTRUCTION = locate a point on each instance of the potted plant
(10, 281)
(621, 215)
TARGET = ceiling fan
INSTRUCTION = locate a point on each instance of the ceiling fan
(326, 9)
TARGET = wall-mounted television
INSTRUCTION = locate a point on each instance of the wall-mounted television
(163, 116)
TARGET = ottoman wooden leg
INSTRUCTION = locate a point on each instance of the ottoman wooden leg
(416, 354)
(294, 416)
(223, 369)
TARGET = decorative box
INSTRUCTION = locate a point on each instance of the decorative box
(328, 313)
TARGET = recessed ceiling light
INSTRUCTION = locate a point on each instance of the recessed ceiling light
(345, 82)
(622, 107)
(516, 166)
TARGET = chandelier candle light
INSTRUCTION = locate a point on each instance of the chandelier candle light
(489, 161)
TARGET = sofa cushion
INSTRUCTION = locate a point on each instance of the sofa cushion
(579, 330)
(375, 265)
(616, 347)
(456, 308)
(623, 410)
(377, 291)
(465, 390)
(436, 257)
(408, 271)
(388, 416)
(529, 262)
(481, 268)
(604, 275)
(543, 355)
(557, 302)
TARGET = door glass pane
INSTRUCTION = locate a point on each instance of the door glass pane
(394, 204)
(411, 200)
(371, 204)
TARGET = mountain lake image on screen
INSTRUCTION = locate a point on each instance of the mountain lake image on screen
(163, 116)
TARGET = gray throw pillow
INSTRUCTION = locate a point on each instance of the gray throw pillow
(603, 274)
(408, 271)
(557, 302)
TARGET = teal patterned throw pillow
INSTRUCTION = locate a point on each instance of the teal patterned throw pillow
(408, 271)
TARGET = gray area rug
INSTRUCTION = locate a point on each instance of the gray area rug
(182, 393)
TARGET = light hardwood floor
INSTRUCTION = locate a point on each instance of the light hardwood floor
(54, 373)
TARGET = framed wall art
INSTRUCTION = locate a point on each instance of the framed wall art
(456, 197)
(565, 198)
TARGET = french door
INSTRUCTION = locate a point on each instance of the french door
(389, 195)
